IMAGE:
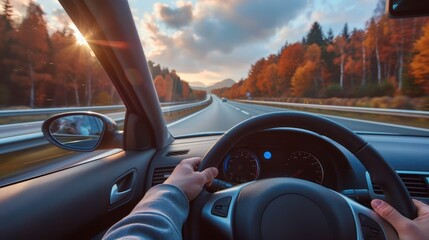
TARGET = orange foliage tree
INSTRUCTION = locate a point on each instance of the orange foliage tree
(170, 87)
(420, 63)
(368, 62)
(290, 59)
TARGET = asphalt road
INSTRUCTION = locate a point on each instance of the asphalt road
(217, 117)
(221, 116)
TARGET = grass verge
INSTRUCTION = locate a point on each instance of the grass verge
(400, 120)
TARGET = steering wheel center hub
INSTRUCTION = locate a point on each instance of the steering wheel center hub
(282, 219)
(287, 208)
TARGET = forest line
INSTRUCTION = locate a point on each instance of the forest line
(389, 58)
(42, 69)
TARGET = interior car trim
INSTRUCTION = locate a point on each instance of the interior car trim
(424, 182)
(177, 153)
(357, 209)
(104, 154)
(224, 224)
(160, 174)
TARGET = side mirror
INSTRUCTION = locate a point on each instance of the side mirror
(82, 131)
(407, 8)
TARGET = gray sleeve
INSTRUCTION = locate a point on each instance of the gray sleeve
(159, 215)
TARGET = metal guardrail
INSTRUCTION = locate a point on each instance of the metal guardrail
(47, 111)
(383, 111)
(35, 139)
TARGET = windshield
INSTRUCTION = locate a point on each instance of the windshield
(217, 63)
(345, 60)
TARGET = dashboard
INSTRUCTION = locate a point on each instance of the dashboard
(283, 153)
(286, 152)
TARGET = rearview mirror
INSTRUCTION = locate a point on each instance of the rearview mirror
(81, 131)
(407, 8)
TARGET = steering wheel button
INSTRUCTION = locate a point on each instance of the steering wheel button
(370, 228)
(221, 206)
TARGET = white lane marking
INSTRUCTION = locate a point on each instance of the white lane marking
(186, 118)
(236, 108)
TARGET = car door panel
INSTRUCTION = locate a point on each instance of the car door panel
(68, 202)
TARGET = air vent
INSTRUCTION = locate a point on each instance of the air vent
(161, 174)
(177, 153)
(415, 183)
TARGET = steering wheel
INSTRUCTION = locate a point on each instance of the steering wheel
(287, 208)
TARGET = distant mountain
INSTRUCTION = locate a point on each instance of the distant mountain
(197, 84)
(225, 83)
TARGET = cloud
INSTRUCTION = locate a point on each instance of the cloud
(334, 16)
(19, 9)
(221, 26)
(60, 16)
(210, 36)
(177, 17)
(215, 35)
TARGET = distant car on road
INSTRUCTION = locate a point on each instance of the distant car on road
(224, 100)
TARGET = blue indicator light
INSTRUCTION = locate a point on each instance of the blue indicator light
(267, 155)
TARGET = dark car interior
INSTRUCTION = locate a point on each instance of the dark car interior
(83, 200)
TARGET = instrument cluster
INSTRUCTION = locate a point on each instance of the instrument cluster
(243, 165)
(283, 153)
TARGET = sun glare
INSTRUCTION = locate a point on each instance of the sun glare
(80, 39)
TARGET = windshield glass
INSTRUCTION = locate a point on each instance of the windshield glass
(46, 67)
(217, 63)
(342, 59)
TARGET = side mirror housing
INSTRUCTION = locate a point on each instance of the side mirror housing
(82, 131)
(407, 8)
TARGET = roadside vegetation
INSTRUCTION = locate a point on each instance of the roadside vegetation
(384, 65)
(42, 68)
(396, 102)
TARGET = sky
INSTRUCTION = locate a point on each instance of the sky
(212, 40)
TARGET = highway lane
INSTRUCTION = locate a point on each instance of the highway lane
(218, 117)
(221, 116)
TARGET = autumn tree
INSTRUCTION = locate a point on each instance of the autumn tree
(368, 62)
(33, 54)
(355, 63)
(341, 44)
(251, 83)
(290, 59)
(170, 87)
(6, 33)
(268, 82)
(71, 64)
(372, 43)
(163, 88)
(307, 77)
(303, 80)
(420, 63)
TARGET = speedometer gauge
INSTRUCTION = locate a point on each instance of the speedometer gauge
(241, 166)
(305, 166)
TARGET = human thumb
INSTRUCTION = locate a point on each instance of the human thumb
(389, 214)
(210, 174)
